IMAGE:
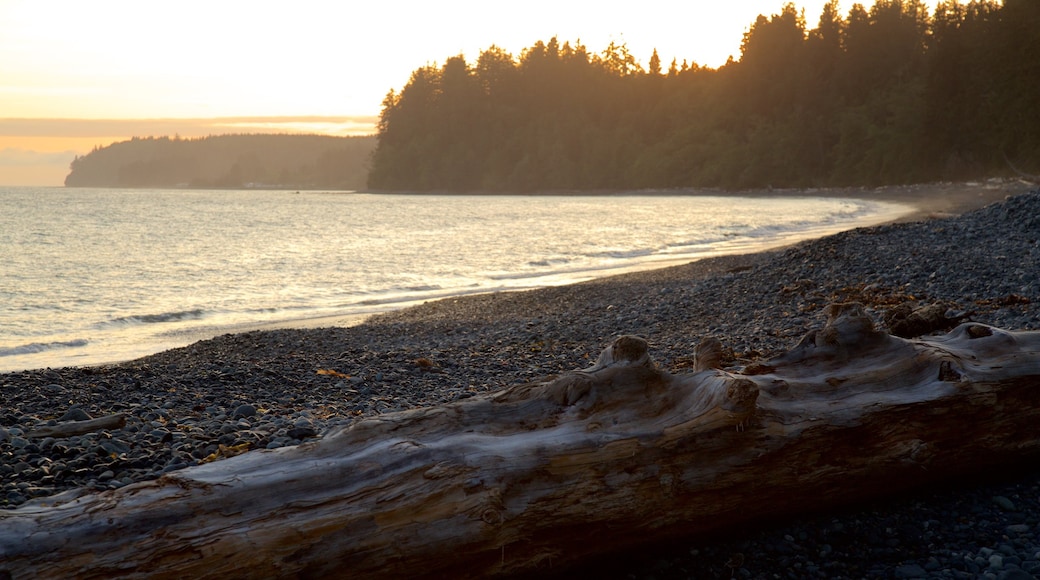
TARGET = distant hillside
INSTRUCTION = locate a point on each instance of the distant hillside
(228, 161)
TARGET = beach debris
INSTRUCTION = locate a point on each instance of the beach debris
(333, 373)
(427, 365)
(71, 428)
(224, 451)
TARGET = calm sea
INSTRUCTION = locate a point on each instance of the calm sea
(101, 275)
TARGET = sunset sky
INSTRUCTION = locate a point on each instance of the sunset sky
(74, 75)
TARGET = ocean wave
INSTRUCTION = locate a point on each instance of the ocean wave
(622, 254)
(420, 288)
(548, 262)
(35, 347)
(177, 316)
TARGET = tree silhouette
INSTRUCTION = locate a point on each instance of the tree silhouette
(885, 94)
(271, 161)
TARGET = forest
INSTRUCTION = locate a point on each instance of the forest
(890, 94)
(228, 161)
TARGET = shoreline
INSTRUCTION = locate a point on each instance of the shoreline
(929, 201)
(112, 346)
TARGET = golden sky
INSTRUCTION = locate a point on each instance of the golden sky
(77, 74)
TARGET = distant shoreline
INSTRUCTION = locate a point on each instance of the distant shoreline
(949, 198)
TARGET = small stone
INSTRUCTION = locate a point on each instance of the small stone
(1017, 528)
(15, 498)
(242, 411)
(996, 561)
(1004, 503)
(1015, 574)
(114, 447)
(909, 571)
(75, 414)
(106, 475)
(301, 432)
(279, 442)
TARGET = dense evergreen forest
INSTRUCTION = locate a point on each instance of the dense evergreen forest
(228, 161)
(886, 95)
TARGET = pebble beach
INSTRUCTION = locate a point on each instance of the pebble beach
(279, 387)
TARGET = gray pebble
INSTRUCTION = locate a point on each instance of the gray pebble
(75, 414)
(910, 571)
(1004, 503)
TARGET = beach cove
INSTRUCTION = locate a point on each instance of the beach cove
(265, 388)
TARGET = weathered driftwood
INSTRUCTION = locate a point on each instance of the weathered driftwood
(68, 429)
(544, 475)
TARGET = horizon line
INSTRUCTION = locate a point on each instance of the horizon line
(184, 126)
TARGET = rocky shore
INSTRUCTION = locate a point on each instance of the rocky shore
(267, 389)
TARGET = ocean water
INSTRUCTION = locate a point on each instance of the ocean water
(89, 276)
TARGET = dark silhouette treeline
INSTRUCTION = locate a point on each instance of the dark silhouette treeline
(886, 95)
(228, 161)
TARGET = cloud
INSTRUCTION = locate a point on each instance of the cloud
(79, 128)
(16, 157)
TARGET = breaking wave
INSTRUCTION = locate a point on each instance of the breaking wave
(36, 347)
(159, 318)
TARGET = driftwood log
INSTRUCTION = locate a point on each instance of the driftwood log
(114, 421)
(544, 475)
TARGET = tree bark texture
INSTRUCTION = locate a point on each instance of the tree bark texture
(548, 474)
